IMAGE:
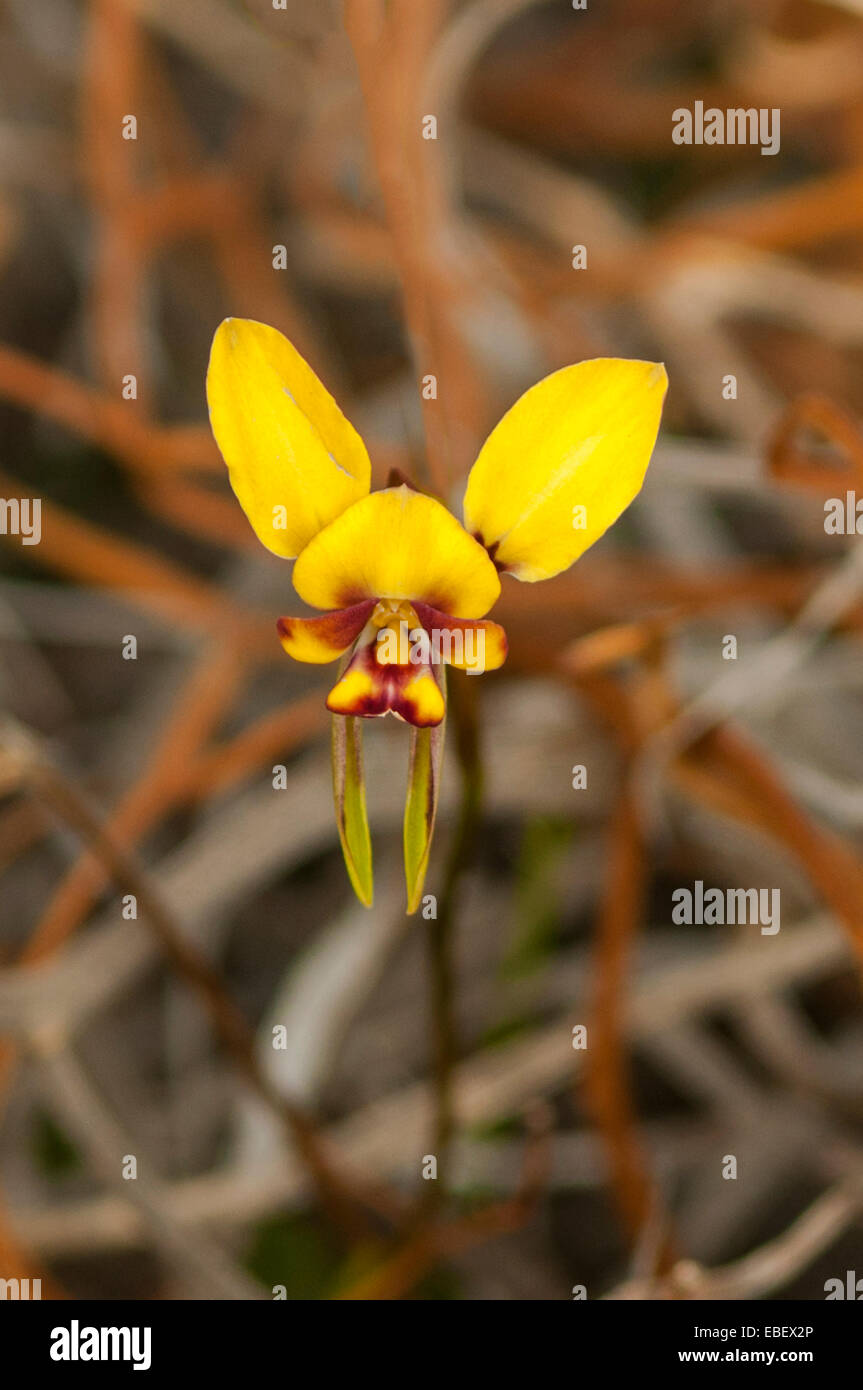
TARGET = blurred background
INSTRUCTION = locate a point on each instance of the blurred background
(164, 907)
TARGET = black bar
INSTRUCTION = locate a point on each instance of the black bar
(256, 1337)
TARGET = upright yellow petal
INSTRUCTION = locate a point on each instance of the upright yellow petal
(563, 463)
(397, 544)
(295, 462)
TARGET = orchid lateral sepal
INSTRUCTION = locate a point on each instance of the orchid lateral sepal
(349, 795)
(424, 773)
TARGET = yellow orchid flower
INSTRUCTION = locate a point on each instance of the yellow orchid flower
(404, 585)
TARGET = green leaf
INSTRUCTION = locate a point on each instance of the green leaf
(349, 792)
(424, 772)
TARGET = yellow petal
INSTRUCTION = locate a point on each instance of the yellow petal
(582, 438)
(294, 461)
(397, 544)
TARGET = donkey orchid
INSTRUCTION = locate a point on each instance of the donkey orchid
(405, 587)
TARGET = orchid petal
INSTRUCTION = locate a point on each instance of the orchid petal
(295, 462)
(563, 463)
(397, 544)
(482, 645)
(324, 639)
